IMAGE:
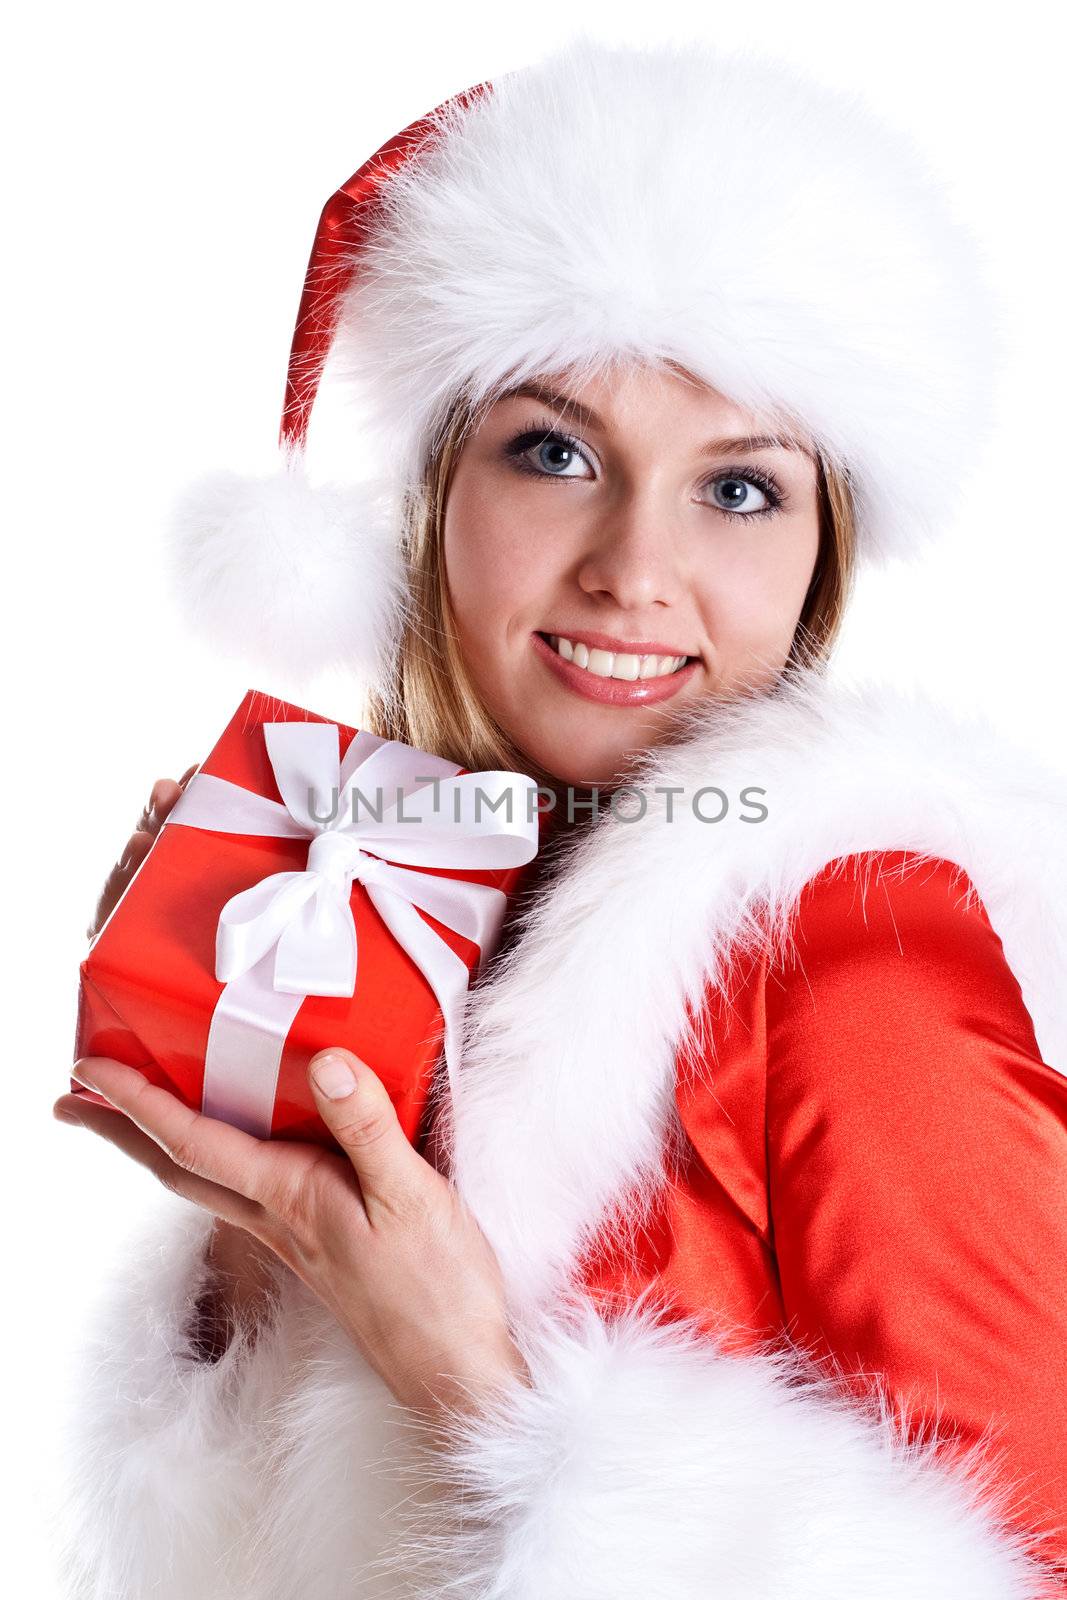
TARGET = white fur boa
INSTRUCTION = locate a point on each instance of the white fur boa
(642, 1461)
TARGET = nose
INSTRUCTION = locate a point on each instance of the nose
(632, 555)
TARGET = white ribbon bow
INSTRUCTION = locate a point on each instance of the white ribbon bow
(293, 934)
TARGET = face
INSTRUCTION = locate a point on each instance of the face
(616, 552)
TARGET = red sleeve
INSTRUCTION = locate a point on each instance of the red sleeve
(917, 1165)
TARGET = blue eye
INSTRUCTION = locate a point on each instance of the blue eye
(554, 454)
(737, 494)
(747, 494)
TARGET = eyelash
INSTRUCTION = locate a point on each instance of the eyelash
(537, 432)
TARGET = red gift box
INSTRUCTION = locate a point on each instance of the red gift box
(149, 991)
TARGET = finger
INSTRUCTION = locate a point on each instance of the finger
(146, 810)
(137, 847)
(355, 1106)
(196, 1143)
(187, 774)
(117, 1128)
(165, 793)
(161, 802)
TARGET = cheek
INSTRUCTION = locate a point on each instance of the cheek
(494, 570)
(754, 595)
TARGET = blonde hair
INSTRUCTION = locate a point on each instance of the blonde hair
(432, 703)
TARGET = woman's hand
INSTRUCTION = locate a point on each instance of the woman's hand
(240, 1263)
(165, 793)
(378, 1234)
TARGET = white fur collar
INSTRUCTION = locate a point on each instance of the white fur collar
(567, 1087)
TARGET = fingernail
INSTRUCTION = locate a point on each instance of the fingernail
(69, 1116)
(153, 798)
(333, 1076)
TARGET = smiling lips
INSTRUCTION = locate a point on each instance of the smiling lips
(621, 678)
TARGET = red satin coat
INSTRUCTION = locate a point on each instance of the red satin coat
(873, 1158)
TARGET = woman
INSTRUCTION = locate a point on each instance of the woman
(733, 1263)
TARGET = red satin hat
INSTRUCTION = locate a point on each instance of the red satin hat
(339, 238)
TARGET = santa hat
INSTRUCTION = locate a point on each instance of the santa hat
(765, 233)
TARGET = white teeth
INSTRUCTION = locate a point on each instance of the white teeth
(606, 664)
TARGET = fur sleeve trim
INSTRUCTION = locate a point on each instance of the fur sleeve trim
(641, 1461)
(160, 1448)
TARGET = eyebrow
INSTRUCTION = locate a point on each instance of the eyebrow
(587, 417)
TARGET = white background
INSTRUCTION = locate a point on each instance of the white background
(166, 167)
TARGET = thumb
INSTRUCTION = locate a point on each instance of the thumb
(355, 1105)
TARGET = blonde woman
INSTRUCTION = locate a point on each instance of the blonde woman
(735, 1261)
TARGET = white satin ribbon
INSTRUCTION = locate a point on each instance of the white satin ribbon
(292, 934)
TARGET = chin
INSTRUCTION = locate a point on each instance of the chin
(590, 748)
(600, 769)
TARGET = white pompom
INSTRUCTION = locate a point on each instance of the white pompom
(279, 573)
